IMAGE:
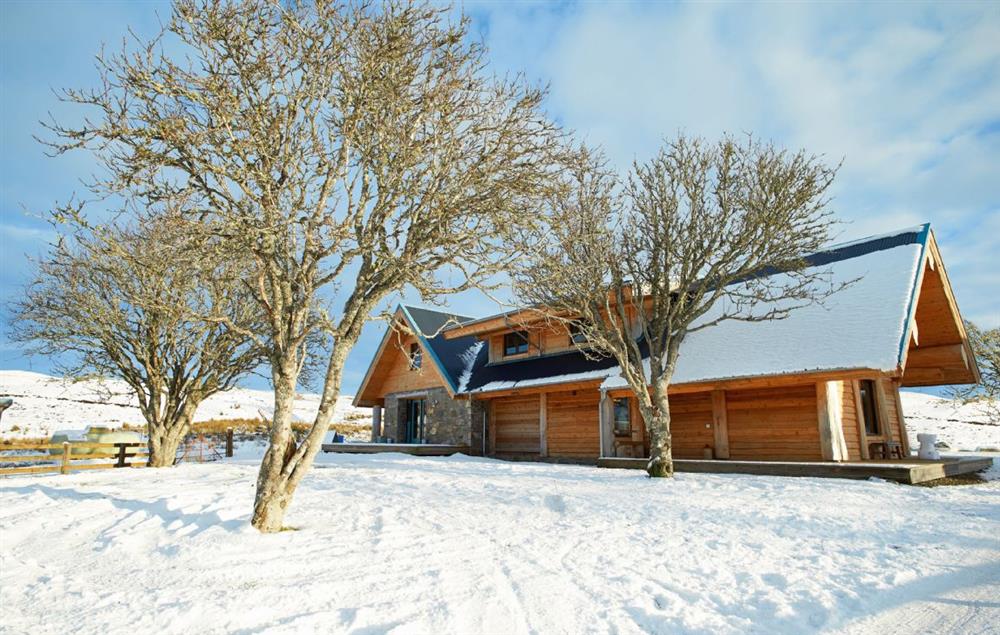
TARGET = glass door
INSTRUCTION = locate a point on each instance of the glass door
(414, 421)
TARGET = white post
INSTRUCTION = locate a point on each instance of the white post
(376, 423)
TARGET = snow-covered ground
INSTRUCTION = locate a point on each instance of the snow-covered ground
(390, 543)
(44, 404)
(396, 544)
(962, 427)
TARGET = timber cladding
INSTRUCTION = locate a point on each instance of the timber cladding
(773, 423)
(516, 423)
(691, 424)
(849, 414)
(572, 420)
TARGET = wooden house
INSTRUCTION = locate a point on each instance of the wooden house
(820, 385)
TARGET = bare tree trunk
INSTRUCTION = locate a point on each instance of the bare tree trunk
(661, 460)
(272, 497)
(285, 463)
(166, 436)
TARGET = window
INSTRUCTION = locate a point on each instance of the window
(869, 407)
(623, 418)
(515, 343)
(576, 336)
(416, 356)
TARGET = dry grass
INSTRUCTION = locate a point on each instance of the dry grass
(242, 427)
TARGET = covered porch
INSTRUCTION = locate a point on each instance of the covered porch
(909, 471)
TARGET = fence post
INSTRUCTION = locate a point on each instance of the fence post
(121, 455)
(229, 442)
(64, 468)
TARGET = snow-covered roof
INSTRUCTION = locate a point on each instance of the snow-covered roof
(861, 327)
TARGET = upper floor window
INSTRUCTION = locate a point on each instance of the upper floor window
(515, 343)
(869, 406)
(416, 356)
(576, 336)
(623, 416)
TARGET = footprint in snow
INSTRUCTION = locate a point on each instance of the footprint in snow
(555, 503)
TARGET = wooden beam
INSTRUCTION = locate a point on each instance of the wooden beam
(543, 444)
(831, 426)
(605, 415)
(376, 423)
(721, 427)
(881, 400)
(904, 438)
(860, 410)
(774, 381)
(491, 446)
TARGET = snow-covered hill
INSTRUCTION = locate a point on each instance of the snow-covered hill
(43, 404)
(962, 427)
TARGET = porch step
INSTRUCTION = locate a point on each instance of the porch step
(910, 471)
(416, 449)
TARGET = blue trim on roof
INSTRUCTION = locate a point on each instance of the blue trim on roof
(923, 238)
(574, 362)
(428, 347)
(445, 353)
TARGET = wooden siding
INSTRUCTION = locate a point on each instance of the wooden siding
(888, 391)
(572, 424)
(850, 420)
(393, 374)
(516, 424)
(542, 340)
(774, 423)
(691, 424)
(937, 352)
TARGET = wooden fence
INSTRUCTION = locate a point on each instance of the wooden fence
(66, 461)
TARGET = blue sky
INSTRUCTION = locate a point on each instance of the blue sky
(908, 95)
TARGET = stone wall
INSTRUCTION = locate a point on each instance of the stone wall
(446, 420)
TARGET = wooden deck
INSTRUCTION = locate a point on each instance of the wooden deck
(910, 471)
(416, 449)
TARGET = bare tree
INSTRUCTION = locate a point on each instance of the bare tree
(147, 302)
(700, 234)
(986, 395)
(353, 150)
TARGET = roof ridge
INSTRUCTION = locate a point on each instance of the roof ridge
(452, 314)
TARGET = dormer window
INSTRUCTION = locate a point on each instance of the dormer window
(515, 343)
(576, 336)
(416, 356)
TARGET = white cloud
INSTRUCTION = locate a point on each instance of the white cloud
(907, 95)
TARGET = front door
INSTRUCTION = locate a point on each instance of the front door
(414, 421)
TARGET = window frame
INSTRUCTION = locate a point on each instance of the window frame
(574, 333)
(513, 351)
(615, 402)
(874, 426)
(416, 356)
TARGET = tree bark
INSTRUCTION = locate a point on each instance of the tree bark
(164, 440)
(272, 496)
(285, 462)
(661, 460)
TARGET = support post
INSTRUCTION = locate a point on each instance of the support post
(376, 423)
(831, 424)
(121, 455)
(604, 423)
(721, 427)
(904, 438)
(64, 468)
(882, 403)
(229, 442)
(862, 425)
(543, 443)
